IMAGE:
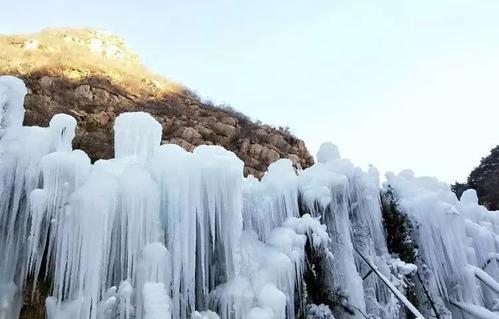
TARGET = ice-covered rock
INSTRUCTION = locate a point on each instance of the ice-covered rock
(158, 232)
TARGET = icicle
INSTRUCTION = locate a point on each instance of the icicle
(178, 232)
(456, 239)
(221, 177)
(8, 292)
(177, 174)
(156, 301)
(153, 280)
(62, 127)
(125, 309)
(260, 313)
(269, 202)
(136, 134)
(325, 190)
(138, 219)
(107, 307)
(272, 298)
(12, 92)
(204, 315)
(21, 151)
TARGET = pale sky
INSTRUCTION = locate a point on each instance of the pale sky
(394, 83)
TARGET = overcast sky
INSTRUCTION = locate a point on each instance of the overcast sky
(394, 83)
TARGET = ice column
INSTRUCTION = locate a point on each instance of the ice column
(136, 134)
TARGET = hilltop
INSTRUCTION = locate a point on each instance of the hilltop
(93, 76)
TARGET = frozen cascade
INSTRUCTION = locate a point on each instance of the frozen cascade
(12, 92)
(22, 151)
(136, 134)
(347, 202)
(267, 203)
(89, 226)
(201, 217)
(457, 242)
(158, 232)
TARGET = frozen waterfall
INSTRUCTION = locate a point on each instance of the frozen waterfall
(158, 232)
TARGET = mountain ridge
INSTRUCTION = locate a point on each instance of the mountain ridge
(93, 76)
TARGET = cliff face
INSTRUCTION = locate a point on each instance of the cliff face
(92, 76)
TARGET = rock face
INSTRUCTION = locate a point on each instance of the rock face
(93, 77)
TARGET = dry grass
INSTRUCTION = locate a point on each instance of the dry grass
(67, 53)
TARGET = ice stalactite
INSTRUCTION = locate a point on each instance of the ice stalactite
(12, 188)
(24, 152)
(270, 271)
(98, 220)
(457, 245)
(154, 278)
(202, 220)
(267, 203)
(344, 199)
(136, 134)
(369, 239)
(347, 201)
(12, 92)
(273, 244)
(326, 194)
(178, 178)
(161, 233)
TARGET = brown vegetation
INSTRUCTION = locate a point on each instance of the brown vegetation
(76, 54)
(93, 77)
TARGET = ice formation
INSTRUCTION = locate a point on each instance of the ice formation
(161, 233)
(457, 245)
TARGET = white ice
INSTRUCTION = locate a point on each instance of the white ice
(158, 232)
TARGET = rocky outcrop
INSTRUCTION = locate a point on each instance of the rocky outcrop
(96, 93)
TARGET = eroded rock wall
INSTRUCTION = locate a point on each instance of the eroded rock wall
(186, 121)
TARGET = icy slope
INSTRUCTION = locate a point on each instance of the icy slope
(457, 243)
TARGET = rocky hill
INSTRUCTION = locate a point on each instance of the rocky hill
(93, 76)
(485, 180)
